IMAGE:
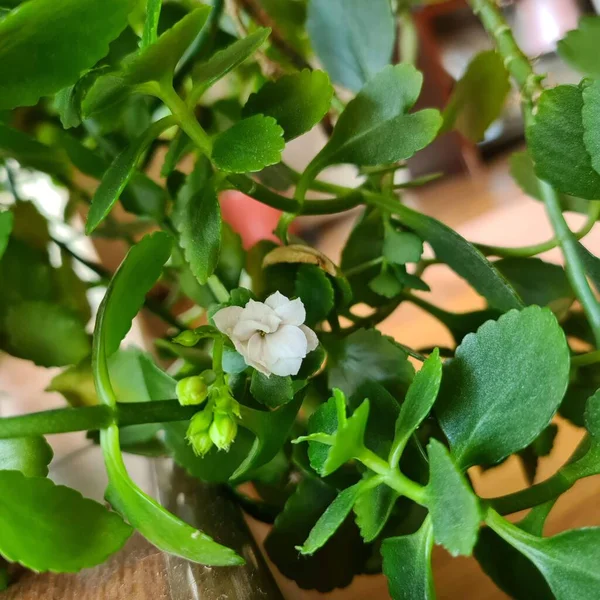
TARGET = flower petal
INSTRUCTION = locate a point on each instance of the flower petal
(256, 351)
(255, 316)
(226, 319)
(292, 313)
(287, 342)
(286, 366)
(311, 338)
(276, 300)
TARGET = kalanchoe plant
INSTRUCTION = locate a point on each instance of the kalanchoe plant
(359, 460)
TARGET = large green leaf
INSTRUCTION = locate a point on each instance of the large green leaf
(197, 218)
(49, 43)
(367, 355)
(503, 386)
(30, 455)
(45, 333)
(314, 288)
(579, 47)
(407, 564)
(568, 561)
(120, 172)
(556, 143)
(297, 102)
(461, 256)
(272, 391)
(249, 145)
(46, 527)
(454, 508)
(6, 225)
(352, 38)
(591, 122)
(154, 63)
(125, 295)
(376, 128)
(478, 97)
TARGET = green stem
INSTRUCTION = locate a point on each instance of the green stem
(91, 418)
(186, 119)
(149, 34)
(363, 266)
(409, 38)
(528, 81)
(582, 360)
(218, 289)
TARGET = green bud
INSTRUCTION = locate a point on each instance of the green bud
(201, 444)
(187, 338)
(223, 431)
(197, 433)
(191, 390)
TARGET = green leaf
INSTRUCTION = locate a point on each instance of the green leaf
(76, 384)
(584, 382)
(315, 290)
(478, 97)
(541, 446)
(197, 218)
(271, 430)
(418, 403)
(407, 564)
(568, 561)
(579, 47)
(30, 455)
(127, 290)
(65, 532)
(31, 153)
(367, 355)
(401, 247)
(591, 264)
(376, 128)
(386, 284)
(538, 282)
(273, 391)
(556, 143)
(45, 333)
(331, 519)
(503, 386)
(232, 257)
(373, 509)
(224, 61)
(249, 145)
(50, 48)
(353, 39)
(454, 508)
(6, 225)
(323, 571)
(154, 63)
(461, 256)
(120, 173)
(297, 101)
(591, 125)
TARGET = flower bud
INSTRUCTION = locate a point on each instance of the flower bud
(191, 390)
(223, 431)
(197, 433)
(201, 444)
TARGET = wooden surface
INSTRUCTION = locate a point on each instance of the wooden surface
(489, 208)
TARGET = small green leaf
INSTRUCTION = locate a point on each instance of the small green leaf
(314, 288)
(386, 284)
(6, 225)
(401, 247)
(154, 63)
(478, 97)
(579, 47)
(273, 391)
(47, 334)
(224, 61)
(249, 145)
(503, 386)
(591, 122)
(49, 33)
(373, 508)
(68, 533)
(197, 218)
(556, 143)
(407, 564)
(76, 384)
(30, 455)
(568, 561)
(331, 519)
(120, 173)
(297, 101)
(454, 508)
(418, 403)
(353, 39)
(367, 355)
(376, 128)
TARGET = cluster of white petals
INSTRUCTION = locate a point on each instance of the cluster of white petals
(270, 335)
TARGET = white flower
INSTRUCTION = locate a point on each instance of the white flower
(271, 336)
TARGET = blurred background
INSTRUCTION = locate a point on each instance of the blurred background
(474, 193)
